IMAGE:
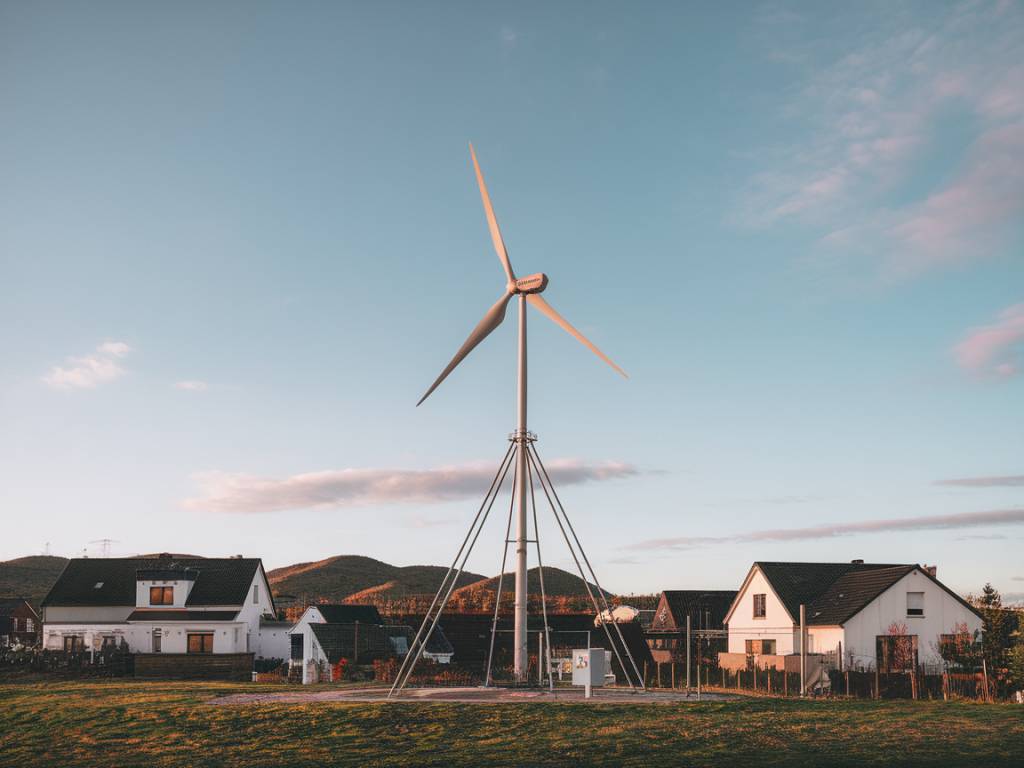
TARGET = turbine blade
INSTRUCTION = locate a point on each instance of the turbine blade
(547, 309)
(499, 244)
(490, 321)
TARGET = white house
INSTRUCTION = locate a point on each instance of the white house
(164, 604)
(853, 612)
(326, 636)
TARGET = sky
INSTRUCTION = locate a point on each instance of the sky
(238, 241)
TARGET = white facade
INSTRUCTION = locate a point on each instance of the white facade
(856, 637)
(777, 624)
(942, 614)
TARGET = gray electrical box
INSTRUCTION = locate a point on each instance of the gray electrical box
(588, 666)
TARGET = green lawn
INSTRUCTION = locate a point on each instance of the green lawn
(158, 724)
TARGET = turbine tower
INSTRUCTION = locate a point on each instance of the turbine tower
(524, 290)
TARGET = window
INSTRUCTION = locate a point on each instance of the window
(755, 647)
(200, 642)
(109, 642)
(30, 625)
(161, 595)
(98, 585)
(255, 593)
(72, 643)
(759, 606)
(915, 603)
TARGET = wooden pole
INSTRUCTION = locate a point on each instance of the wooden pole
(355, 647)
(984, 672)
(673, 675)
(877, 691)
(689, 650)
(803, 649)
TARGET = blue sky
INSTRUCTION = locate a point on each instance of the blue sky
(238, 242)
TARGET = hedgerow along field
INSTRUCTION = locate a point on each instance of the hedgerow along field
(157, 724)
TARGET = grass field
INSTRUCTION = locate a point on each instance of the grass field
(157, 724)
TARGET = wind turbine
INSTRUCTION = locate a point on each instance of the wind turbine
(526, 290)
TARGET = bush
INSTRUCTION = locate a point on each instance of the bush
(267, 665)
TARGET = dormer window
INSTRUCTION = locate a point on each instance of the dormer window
(161, 595)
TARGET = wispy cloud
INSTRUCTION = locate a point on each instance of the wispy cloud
(226, 492)
(90, 370)
(875, 108)
(191, 385)
(992, 348)
(994, 481)
(834, 530)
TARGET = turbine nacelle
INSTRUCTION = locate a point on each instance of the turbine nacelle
(529, 284)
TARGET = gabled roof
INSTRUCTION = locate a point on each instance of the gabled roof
(347, 614)
(704, 607)
(338, 641)
(851, 593)
(833, 593)
(8, 605)
(111, 580)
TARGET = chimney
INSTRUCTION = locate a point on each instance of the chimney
(931, 570)
(859, 561)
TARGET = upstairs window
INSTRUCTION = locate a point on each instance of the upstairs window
(915, 603)
(30, 625)
(255, 593)
(161, 595)
(760, 606)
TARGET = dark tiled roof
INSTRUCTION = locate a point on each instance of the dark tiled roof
(165, 574)
(182, 615)
(219, 581)
(338, 641)
(346, 614)
(706, 608)
(851, 592)
(8, 605)
(437, 643)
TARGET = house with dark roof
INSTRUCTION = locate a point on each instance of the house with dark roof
(165, 604)
(19, 622)
(328, 636)
(705, 609)
(853, 614)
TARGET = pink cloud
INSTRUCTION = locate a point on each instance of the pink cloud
(240, 493)
(987, 349)
(966, 219)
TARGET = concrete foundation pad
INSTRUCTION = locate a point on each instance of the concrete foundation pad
(472, 696)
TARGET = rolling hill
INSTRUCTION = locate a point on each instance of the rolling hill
(344, 576)
(557, 583)
(30, 577)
